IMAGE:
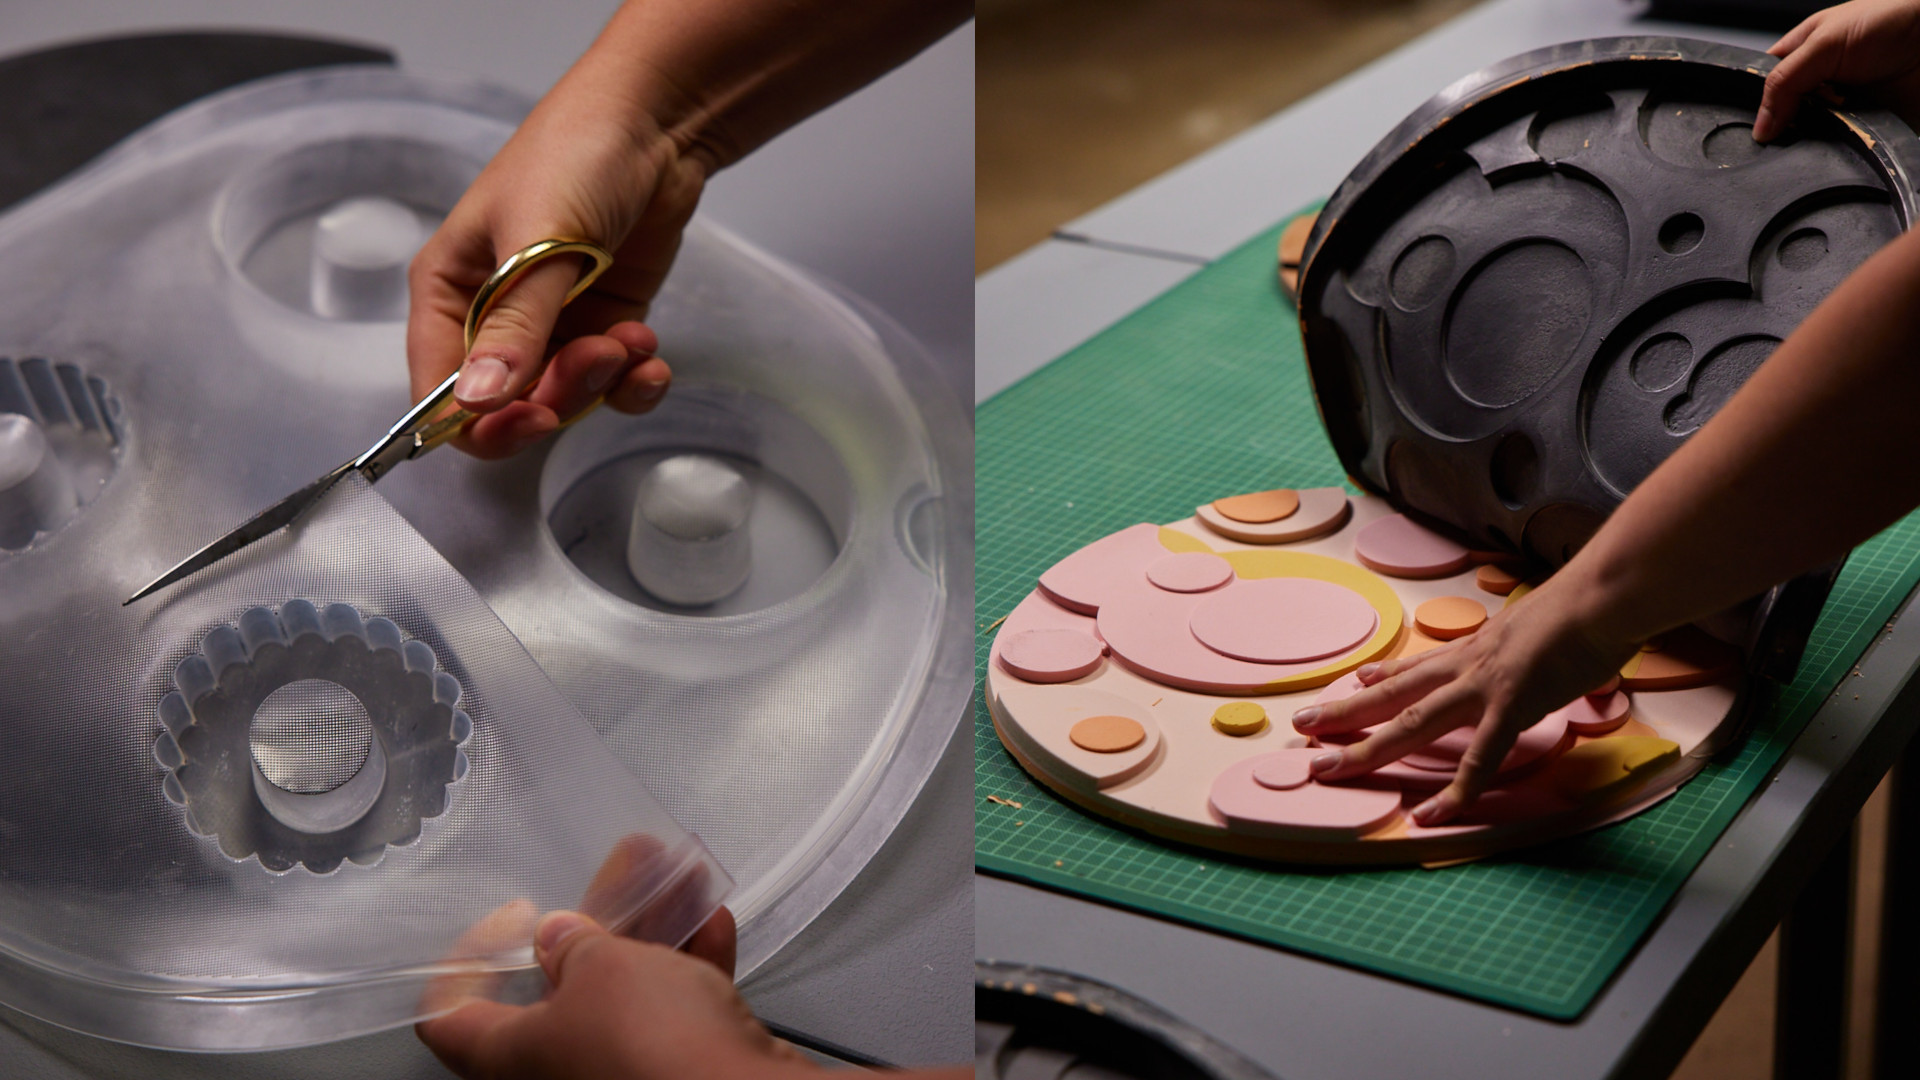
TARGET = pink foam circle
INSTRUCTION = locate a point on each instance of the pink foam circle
(1190, 572)
(1400, 547)
(1050, 656)
(1283, 620)
(1442, 755)
(1595, 718)
(1284, 771)
(1329, 810)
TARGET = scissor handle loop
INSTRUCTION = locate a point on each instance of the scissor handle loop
(526, 259)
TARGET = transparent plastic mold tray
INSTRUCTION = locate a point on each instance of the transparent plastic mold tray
(266, 807)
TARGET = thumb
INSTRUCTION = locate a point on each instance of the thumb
(511, 347)
(560, 935)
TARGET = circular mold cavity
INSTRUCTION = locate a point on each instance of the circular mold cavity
(800, 504)
(1421, 273)
(1516, 322)
(1802, 249)
(59, 444)
(310, 737)
(1515, 470)
(1715, 381)
(1682, 233)
(324, 229)
(1730, 144)
(1562, 133)
(1660, 362)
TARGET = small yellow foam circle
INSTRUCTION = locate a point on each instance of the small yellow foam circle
(1240, 717)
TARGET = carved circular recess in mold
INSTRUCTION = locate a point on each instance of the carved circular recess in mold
(60, 438)
(310, 737)
(1682, 233)
(1516, 322)
(1802, 249)
(327, 229)
(1700, 134)
(1422, 272)
(1673, 364)
(796, 520)
(1715, 379)
(1565, 131)
(1661, 361)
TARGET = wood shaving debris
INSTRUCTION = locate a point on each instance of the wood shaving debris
(995, 623)
(1005, 802)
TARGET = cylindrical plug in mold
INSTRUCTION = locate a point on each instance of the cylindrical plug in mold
(36, 493)
(361, 248)
(690, 544)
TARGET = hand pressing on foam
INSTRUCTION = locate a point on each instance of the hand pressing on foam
(618, 153)
(1771, 486)
(1871, 44)
(1526, 661)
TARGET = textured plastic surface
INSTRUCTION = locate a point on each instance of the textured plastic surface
(1541, 930)
(791, 736)
(1546, 278)
(150, 897)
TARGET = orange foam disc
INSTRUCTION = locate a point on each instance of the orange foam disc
(1259, 507)
(1449, 617)
(1496, 579)
(1107, 734)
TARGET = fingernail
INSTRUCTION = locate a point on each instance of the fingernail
(557, 927)
(1307, 717)
(604, 372)
(1367, 671)
(1426, 812)
(482, 380)
(1324, 763)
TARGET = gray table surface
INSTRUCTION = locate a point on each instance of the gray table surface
(1305, 1018)
(876, 194)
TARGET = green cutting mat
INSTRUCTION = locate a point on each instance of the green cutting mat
(1204, 392)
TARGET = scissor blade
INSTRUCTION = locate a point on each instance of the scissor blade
(272, 519)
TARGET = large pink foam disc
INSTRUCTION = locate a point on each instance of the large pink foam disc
(1050, 656)
(1190, 572)
(1325, 809)
(1283, 620)
(1095, 574)
(1400, 547)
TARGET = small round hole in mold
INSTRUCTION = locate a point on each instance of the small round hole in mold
(328, 229)
(1515, 470)
(1802, 249)
(1730, 144)
(310, 736)
(1660, 362)
(60, 437)
(800, 511)
(1420, 274)
(1682, 233)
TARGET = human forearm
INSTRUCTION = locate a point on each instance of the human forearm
(720, 79)
(1814, 455)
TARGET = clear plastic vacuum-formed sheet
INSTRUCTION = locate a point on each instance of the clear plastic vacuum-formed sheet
(221, 333)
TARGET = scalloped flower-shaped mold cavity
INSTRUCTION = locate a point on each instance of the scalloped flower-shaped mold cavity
(310, 737)
(60, 441)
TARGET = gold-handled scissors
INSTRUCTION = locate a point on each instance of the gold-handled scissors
(419, 431)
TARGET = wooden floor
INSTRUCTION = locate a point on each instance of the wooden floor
(1080, 101)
